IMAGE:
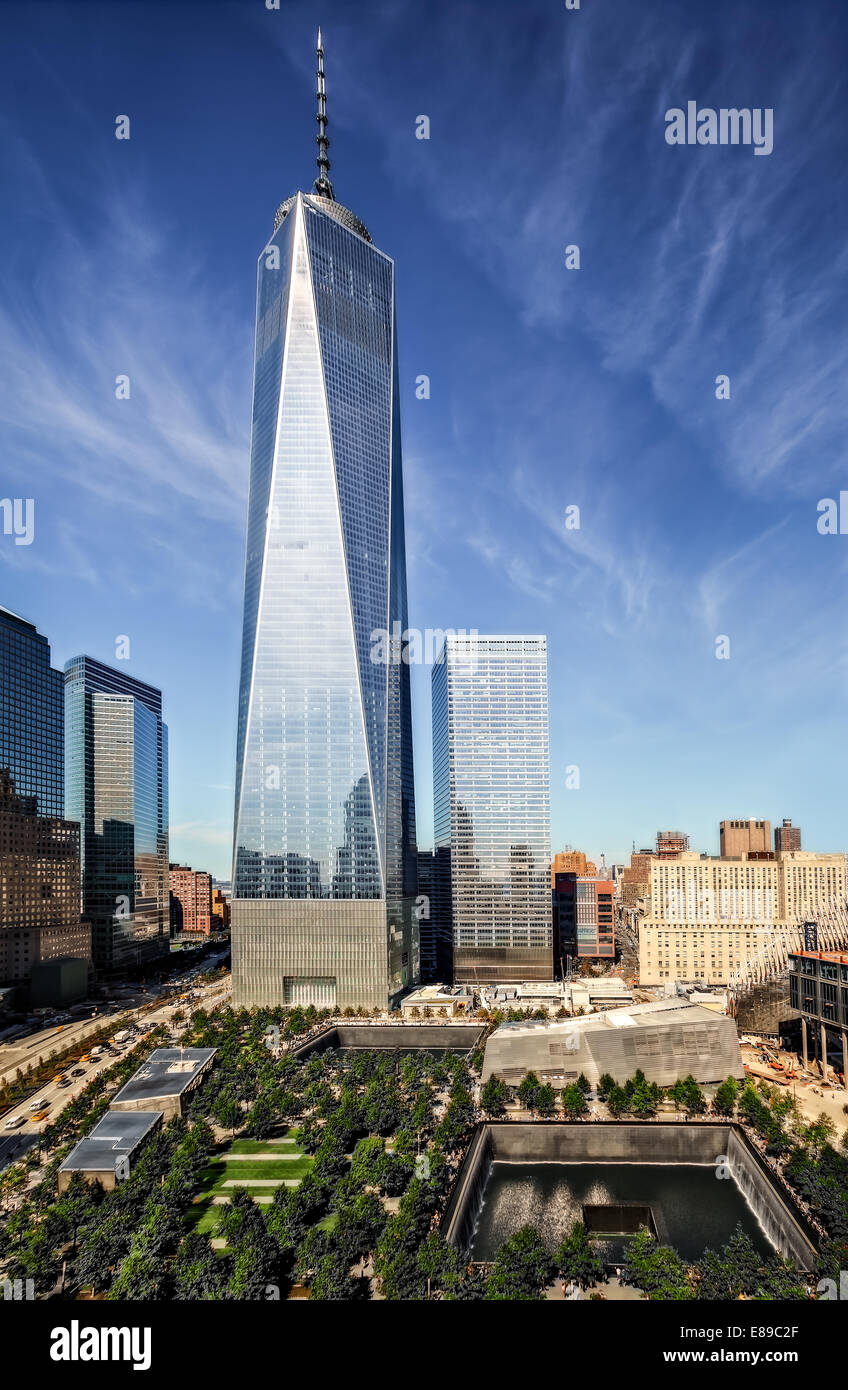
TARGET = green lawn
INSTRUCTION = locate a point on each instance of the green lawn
(204, 1215)
(220, 1172)
(264, 1146)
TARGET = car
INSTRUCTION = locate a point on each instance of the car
(42, 1115)
(36, 1104)
(64, 1083)
(15, 1122)
(78, 1071)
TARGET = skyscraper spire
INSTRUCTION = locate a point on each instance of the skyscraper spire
(322, 183)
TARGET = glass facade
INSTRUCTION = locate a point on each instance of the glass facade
(492, 804)
(324, 807)
(818, 988)
(31, 717)
(116, 786)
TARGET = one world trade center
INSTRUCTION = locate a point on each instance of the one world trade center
(324, 859)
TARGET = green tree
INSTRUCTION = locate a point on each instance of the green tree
(578, 1259)
(262, 1116)
(657, 1270)
(494, 1095)
(361, 1222)
(819, 1133)
(259, 1263)
(573, 1101)
(724, 1100)
(367, 1157)
(102, 1247)
(689, 1094)
(739, 1270)
(227, 1112)
(396, 1257)
(617, 1101)
(200, 1273)
(643, 1101)
(528, 1090)
(522, 1270)
(546, 1100)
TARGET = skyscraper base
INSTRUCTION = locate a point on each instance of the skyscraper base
(327, 952)
(509, 965)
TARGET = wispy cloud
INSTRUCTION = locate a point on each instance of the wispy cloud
(126, 297)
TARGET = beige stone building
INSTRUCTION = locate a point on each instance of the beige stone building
(743, 837)
(707, 916)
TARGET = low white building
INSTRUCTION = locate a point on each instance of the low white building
(582, 992)
(453, 999)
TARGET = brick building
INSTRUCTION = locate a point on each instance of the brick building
(191, 900)
(571, 861)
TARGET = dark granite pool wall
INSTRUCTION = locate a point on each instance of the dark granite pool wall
(611, 1142)
(454, 1037)
(469, 1189)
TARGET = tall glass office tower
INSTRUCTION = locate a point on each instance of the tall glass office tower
(31, 717)
(324, 861)
(491, 804)
(116, 786)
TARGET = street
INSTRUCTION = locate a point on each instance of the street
(52, 1096)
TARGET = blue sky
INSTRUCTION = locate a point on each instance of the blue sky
(549, 387)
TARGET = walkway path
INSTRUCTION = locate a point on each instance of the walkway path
(261, 1182)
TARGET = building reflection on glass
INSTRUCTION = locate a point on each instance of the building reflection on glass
(116, 786)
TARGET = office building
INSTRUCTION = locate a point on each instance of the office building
(584, 917)
(116, 787)
(31, 717)
(60, 981)
(492, 804)
(220, 910)
(744, 837)
(572, 861)
(433, 909)
(818, 990)
(39, 889)
(670, 843)
(787, 837)
(191, 900)
(324, 876)
(707, 917)
(635, 881)
(667, 1040)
